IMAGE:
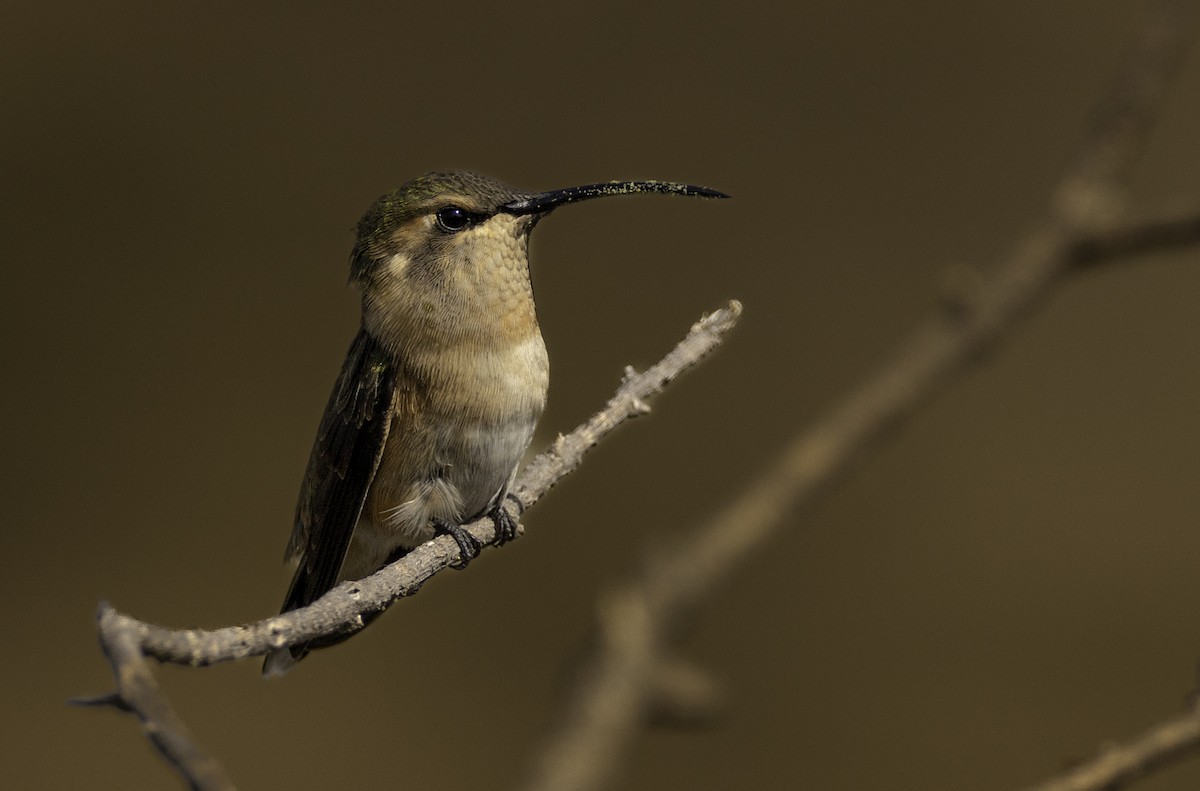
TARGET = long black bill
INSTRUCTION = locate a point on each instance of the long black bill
(545, 201)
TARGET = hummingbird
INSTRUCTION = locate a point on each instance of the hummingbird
(442, 386)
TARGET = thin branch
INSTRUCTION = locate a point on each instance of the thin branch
(128, 642)
(639, 619)
(1118, 765)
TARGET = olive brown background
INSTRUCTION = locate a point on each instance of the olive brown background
(1006, 585)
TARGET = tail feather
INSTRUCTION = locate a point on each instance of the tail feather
(280, 662)
(300, 594)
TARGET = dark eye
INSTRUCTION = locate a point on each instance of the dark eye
(453, 219)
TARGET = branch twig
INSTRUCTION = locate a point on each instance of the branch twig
(1117, 765)
(138, 692)
(1149, 237)
(618, 685)
(128, 641)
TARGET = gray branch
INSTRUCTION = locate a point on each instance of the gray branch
(619, 687)
(128, 642)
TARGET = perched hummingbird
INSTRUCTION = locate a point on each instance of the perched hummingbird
(442, 386)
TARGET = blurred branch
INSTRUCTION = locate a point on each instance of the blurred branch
(128, 642)
(1118, 765)
(618, 688)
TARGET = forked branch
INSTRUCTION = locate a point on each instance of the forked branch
(619, 686)
(128, 642)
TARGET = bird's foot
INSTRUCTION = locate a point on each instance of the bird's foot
(468, 546)
(506, 523)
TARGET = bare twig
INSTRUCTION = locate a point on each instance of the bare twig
(1118, 765)
(639, 619)
(128, 641)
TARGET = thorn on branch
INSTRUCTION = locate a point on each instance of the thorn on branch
(102, 701)
(683, 695)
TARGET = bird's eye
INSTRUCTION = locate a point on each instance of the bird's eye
(453, 219)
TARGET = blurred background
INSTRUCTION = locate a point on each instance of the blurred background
(1011, 582)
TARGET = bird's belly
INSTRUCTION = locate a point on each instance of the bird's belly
(455, 479)
(487, 457)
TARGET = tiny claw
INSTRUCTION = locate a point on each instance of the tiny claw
(516, 501)
(468, 546)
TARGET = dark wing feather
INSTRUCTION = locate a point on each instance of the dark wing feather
(344, 459)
